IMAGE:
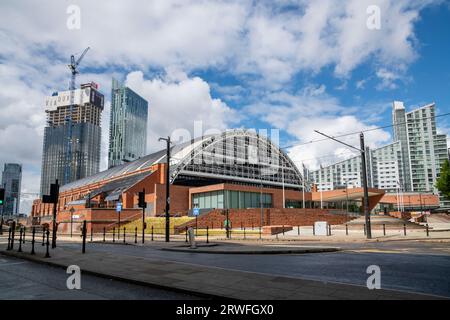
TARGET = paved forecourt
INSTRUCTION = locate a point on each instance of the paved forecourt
(211, 282)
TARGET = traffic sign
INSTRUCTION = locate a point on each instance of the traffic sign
(119, 206)
(196, 211)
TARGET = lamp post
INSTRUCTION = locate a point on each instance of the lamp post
(362, 150)
(167, 187)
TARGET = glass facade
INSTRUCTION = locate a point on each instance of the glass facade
(231, 200)
(128, 125)
(85, 140)
(11, 181)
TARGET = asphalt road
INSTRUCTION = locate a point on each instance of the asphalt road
(21, 279)
(414, 267)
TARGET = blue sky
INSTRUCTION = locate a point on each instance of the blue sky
(289, 65)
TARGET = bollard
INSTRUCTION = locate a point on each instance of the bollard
(114, 234)
(104, 234)
(186, 234)
(152, 233)
(20, 240)
(298, 230)
(346, 229)
(207, 234)
(23, 238)
(329, 229)
(404, 229)
(260, 235)
(83, 248)
(244, 234)
(314, 229)
(384, 229)
(47, 253)
(144, 227)
(364, 229)
(135, 235)
(428, 231)
(124, 229)
(92, 233)
(13, 232)
(43, 236)
(33, 233)
(283, 229)
(9, 239)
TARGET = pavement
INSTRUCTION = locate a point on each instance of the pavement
(133, 265)
(25, 280)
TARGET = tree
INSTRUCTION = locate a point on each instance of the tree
(443, 183)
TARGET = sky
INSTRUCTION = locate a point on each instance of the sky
(295, 66)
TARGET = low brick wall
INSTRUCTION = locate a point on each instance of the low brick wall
(252, 218)
(271, 230)
(400, 215)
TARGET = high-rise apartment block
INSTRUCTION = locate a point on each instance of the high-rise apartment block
(85, 140)
(11, 182)
(128, 125)
(411, 163)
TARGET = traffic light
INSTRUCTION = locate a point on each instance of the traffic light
(54, 194)
(141, 202)
(2, 196)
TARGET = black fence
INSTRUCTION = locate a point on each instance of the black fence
(40, 235)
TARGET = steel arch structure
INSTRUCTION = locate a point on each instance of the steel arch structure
(236, 155)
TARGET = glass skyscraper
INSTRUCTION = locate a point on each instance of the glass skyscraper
(86, 135)
(11, 181)
(128, 125)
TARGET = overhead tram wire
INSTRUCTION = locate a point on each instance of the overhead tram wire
(361, 131)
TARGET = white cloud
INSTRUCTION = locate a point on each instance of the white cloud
(313, 109)
(263, 44)
(175, 102)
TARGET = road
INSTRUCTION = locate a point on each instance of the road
(412, 266)
(20, 279)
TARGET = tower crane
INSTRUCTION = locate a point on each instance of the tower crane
(73, 66)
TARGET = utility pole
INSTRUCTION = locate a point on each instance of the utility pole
(366, 189)
(167, 188)
(362, 150)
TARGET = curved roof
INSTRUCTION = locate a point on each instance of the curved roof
(237, 155)
(115, 172)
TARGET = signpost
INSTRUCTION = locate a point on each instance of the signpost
(196, 212)
(118, 210)
(72, 210)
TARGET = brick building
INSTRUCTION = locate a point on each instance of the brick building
(238, 170)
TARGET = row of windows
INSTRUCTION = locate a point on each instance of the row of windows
(231, 200)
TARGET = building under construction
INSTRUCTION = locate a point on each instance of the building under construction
(85, 136)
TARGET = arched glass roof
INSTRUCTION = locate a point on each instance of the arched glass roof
(234, 155)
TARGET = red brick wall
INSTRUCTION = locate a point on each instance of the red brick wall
(251, 218)
(97, 218)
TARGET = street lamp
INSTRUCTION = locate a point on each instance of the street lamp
(362, 150)
(167, 187)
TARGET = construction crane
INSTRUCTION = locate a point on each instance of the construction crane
(73, 66)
